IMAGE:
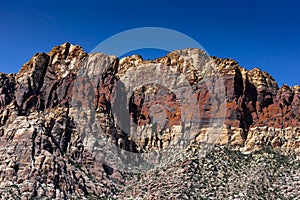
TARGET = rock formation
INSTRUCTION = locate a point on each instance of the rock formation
(43, 149)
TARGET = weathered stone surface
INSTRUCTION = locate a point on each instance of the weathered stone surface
(287, 139)
(57, 99)
(7, 88)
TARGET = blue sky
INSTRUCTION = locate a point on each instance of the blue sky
(262, 34)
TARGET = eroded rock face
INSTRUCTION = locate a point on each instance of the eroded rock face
(286, 138)
(56, 99)
(7, 88)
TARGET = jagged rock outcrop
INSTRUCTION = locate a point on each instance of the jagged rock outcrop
(50, 106)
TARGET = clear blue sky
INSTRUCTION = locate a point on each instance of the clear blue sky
(256, 33)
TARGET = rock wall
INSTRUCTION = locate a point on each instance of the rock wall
(42, 151)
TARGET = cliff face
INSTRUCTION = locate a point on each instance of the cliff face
(267, 114)
(43, 153)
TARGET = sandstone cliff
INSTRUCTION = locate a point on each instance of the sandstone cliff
(43, 149)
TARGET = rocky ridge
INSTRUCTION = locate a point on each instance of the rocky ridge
(43, 153)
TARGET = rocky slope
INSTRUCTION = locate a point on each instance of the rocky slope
(57, 109)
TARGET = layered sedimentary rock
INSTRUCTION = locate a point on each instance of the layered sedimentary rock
(57, 109)
(259, 107)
